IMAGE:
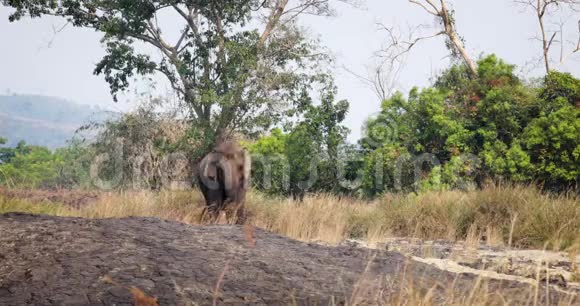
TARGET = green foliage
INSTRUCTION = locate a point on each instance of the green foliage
(561, 85)
(491, 127)
(269, 164)
(7, 154)
(387, 169)
(28, 166)
(74, 171)
(553, 140)
(305, 158)
(513, 162)
(36, 168)
(230, 75)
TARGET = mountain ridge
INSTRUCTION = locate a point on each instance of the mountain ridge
(44, 120)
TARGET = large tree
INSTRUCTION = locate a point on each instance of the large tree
(236, 64)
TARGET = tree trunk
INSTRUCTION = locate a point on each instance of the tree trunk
(452, 34)
(459, 46)
(545, 43)
(272, 21)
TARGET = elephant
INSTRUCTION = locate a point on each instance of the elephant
(224, 178)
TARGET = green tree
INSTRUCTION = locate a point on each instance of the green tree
(553, 141)
(306, 158)
(387, 169)
(74, 170)
(492, 127)
(231, 74)
(552, 138)
(7, 154)
(32, 169)
(558, 85)
(270, 168)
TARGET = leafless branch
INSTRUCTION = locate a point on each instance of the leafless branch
(188, 17)
(382, 77)
(398, 47)
(552, 39)
(181, 38)
(564, 58)
(541, 9)
(442, 13)
(434, 11)
(55, 32)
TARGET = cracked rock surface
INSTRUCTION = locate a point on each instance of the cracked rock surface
(561, 266)
(47, 260)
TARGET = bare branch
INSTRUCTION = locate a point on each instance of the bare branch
(541, 9)
(449, 30)
(434, 12)
(398, 47)
(156, 33)
(187, 17)
(180, 41)
(551, 39)
(564, 58)
(303, 8)
(381, 78)
(55, 32)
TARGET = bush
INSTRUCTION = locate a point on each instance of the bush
(515, 132)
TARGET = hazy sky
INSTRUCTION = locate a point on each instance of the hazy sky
(32, 62)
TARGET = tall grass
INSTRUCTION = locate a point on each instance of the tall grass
(521, 216)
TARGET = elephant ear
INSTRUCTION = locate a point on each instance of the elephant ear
(209, 167)
(246, 183)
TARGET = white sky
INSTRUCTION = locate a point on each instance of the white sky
(28, 65)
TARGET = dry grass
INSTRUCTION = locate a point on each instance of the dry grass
(518, 216)
(406, 288)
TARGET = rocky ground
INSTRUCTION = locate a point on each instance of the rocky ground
(71, 261)
(558, 268)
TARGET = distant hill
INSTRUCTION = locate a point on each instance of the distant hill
(43, 120)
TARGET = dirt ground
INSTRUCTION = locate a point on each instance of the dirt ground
(71, 261)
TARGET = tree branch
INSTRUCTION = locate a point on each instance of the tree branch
(434, 12)
(551, 40)
(183, 36)
(272, 21)
(187, 17)
(154, 30)
(221, 38)
(398, 48)
(564, 58)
